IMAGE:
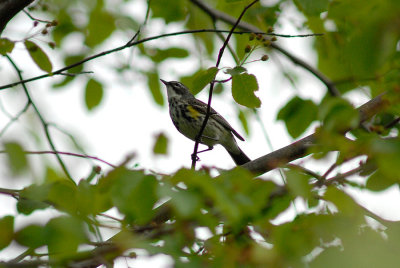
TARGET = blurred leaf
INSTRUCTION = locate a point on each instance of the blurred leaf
(63, 235)
(299, 184)
(202, 79)
(298, 114)
(243, 119)
(243, 87)
(7, 230)
(32, 198)
(312, 8)
(161, 144)
(93, 94)
(338, 115)
(69, 60)
(6, 46)
(169, 11)
(101, 25)
(172, 52)
(16, 158)
(32, 236)
(38, 56)
(62, 195)
(187, 203)
(133, 193)
(153, 81)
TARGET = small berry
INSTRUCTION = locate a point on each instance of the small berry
(52, 45)
(270, 30)
(264, 58)
(259, 37)
(35, 23)
(252, 36)
(44, 31)
(97, 169)
(247, 49)
(273, 39)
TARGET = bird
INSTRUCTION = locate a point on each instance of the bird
(188, 113)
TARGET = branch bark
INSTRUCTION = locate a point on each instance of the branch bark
(9, 8)
(300, 148)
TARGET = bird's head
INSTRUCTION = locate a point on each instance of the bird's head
(176, 89)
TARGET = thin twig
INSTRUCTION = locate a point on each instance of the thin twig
(70, 154)
(218, 15)
(44, 123)
(127, 45)
(221, 52)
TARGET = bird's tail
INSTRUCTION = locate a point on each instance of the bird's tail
(240, 157)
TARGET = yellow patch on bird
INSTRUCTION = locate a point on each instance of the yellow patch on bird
(193, 112)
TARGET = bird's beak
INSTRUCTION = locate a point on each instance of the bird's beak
(164, 82)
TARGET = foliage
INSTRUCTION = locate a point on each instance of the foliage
(199, 219)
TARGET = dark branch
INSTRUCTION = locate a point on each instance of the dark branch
(9, 8)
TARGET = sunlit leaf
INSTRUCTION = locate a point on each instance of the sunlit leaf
(243, 88)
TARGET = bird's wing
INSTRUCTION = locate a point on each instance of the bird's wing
(202, 108)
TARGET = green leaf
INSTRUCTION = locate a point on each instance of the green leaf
(7, 229)
(298, 184)
(16, 158)
(235, 71)
(32, 236)
(161, 144)
(101, 25)
(93, 94)
(187, 203)
(38, 56)
(6, 46)
(298, 114)
(62, 194)
(169, 11)
(243, 119)
(63, 235)
(153, 80)
(243, 88)
(133, 193)
(32, 198)
(202, 79)
(338, 115)
(312, 7)
(172, 52)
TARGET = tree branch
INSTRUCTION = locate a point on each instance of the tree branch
(9, 8)
(300, 148)
(218, 15)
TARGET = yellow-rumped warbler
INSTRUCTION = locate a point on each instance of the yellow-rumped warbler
(188, 113)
